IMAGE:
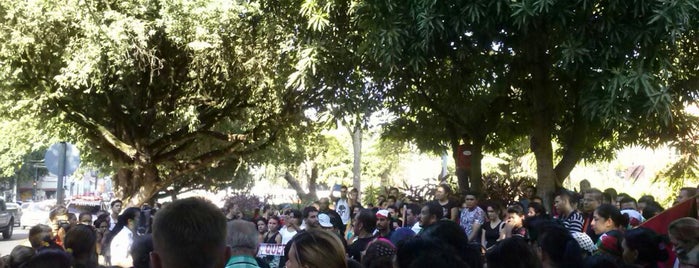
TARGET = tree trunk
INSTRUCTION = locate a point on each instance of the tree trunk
(462, 175)
(546, 177)
(574, 145)
(356, 132)
(312, 194)
(543, 111)
(476, 175)
(294, 183)
(137, 185)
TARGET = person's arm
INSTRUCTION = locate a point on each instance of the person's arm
(474, 231)
(507, 231)
(483, 242)
(278, 238)
(501, 227)
(454, 214)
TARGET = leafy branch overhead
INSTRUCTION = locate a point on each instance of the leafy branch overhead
(169, 91)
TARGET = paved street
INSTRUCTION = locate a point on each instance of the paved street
(18, 237)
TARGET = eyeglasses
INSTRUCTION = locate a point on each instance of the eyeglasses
(470, 199)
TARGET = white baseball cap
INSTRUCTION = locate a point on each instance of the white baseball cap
(324, 220)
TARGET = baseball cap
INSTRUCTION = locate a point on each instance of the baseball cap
(382, 213)
(324, 220)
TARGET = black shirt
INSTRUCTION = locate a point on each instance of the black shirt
(355, 250)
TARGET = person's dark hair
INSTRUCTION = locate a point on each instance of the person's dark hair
(260, 219)
(307, 210)
(606, 198)
(99, 222)
(81, 240)
(111, 205)
(276, 218)
(140, 251)
(85, 215)
(379, 254)
(516, 208)
(189, 232)
(690, 190)
(451, 234)
(650, 245)
(611, 192)
(609, 211)
(435, 209)
(19, 255)
(601, 261)
(513, 252)
(123, 220)
(49, 258)
(539, 209)
(37, 240)
(572, 197)
(646, 199)
(391, 197)
(628, 199)
(368, 220)
(596, 194)
(622, 196)
(560, 246)
(473, 193)
(352, 210)
(343, 187)
(295, 212)
(446, 188)
(495, 204)
(536, 198)
(421, 252)
(651, 209)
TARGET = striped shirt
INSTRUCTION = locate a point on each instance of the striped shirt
(573, 222)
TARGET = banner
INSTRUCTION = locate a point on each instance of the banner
(660, 222)
(270, 250)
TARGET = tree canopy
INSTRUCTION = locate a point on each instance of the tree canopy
(172, 94)
(592, 76)
(167, 91)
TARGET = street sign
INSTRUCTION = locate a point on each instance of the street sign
(62, 159)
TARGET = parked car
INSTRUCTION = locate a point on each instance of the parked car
(7, 221)
(16, 210)
(34, 213)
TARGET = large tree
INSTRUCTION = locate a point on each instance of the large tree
(169, 92)
(592, 76)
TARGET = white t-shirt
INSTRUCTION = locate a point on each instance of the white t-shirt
(286, 235)
(342, 208)
(120, 247)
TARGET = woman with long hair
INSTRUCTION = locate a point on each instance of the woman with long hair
(272, 236)
(261, 224)
(643, 248)
(609, 223)
(450, 208)
(120, 239)
(80, 243)
(492, 229)
(684, 235)
(316, 249)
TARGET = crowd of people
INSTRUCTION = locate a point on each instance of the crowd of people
(589, 228)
